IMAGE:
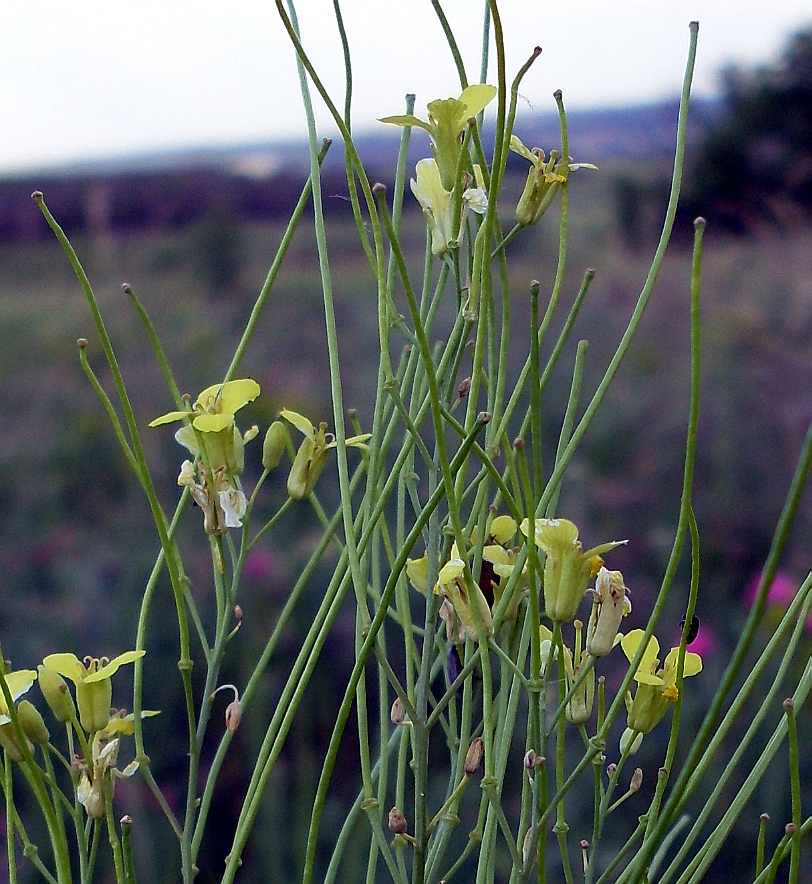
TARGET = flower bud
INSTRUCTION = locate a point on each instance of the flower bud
(233, 716)
(636, 780)
(8, 741)
(274, 445)
(32, 724)
(397, 714)
(474, 756)
(56, 694)
(630, 741)
(579, 707)
(397, 822)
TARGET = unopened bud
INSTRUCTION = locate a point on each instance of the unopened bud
(233, 716)
(238, 613)
(274, 445)
(474, 757)
(9, 742)
(397, 714)
(530, 761)
(234, 708)
(32, 724)
(397, 822)
(464, 388)
(56, 694)
(636, 780)
(610, 769)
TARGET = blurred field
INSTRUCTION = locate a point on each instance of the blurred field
(76, 539)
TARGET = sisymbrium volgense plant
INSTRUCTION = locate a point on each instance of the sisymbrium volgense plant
(496, 693)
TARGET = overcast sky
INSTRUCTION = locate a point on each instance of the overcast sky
(89, 78)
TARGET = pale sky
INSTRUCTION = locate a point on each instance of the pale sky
(95, 78)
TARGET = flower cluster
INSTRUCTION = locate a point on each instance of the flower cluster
(212, 438)
(468, 603)
(101, 726)
(98, 727)
(657, 687)
(459, 597)
(434, 186)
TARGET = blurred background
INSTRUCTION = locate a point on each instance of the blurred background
(169, 145)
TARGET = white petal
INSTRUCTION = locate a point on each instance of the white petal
(234, 505)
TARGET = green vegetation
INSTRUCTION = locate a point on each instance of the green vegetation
(461, 757)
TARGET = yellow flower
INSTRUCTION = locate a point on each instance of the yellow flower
(448, 119)
(544, 178)
(213, 414)
(567, 569)
(498, 562)
(312, 454)
(215, 407)
(610, 607)
(452, 586)
(656, 686)
(91, 677)
(437, 204)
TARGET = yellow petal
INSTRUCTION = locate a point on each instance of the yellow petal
(68, 665)
(450, 572)
(169, 418)
(299, 421)
(693, 662)
(109, 669)
(417, 570)
(405, 120)
(213, 423)
(477, 97)
(556, 535)
(234, 395)
(517, 146)
(631, 642)
(495, 554)
(18, 683)
(503, 528)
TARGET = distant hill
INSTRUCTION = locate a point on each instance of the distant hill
(172, 189)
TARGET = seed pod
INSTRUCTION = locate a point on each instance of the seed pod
(32, 724)
(274, 446)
